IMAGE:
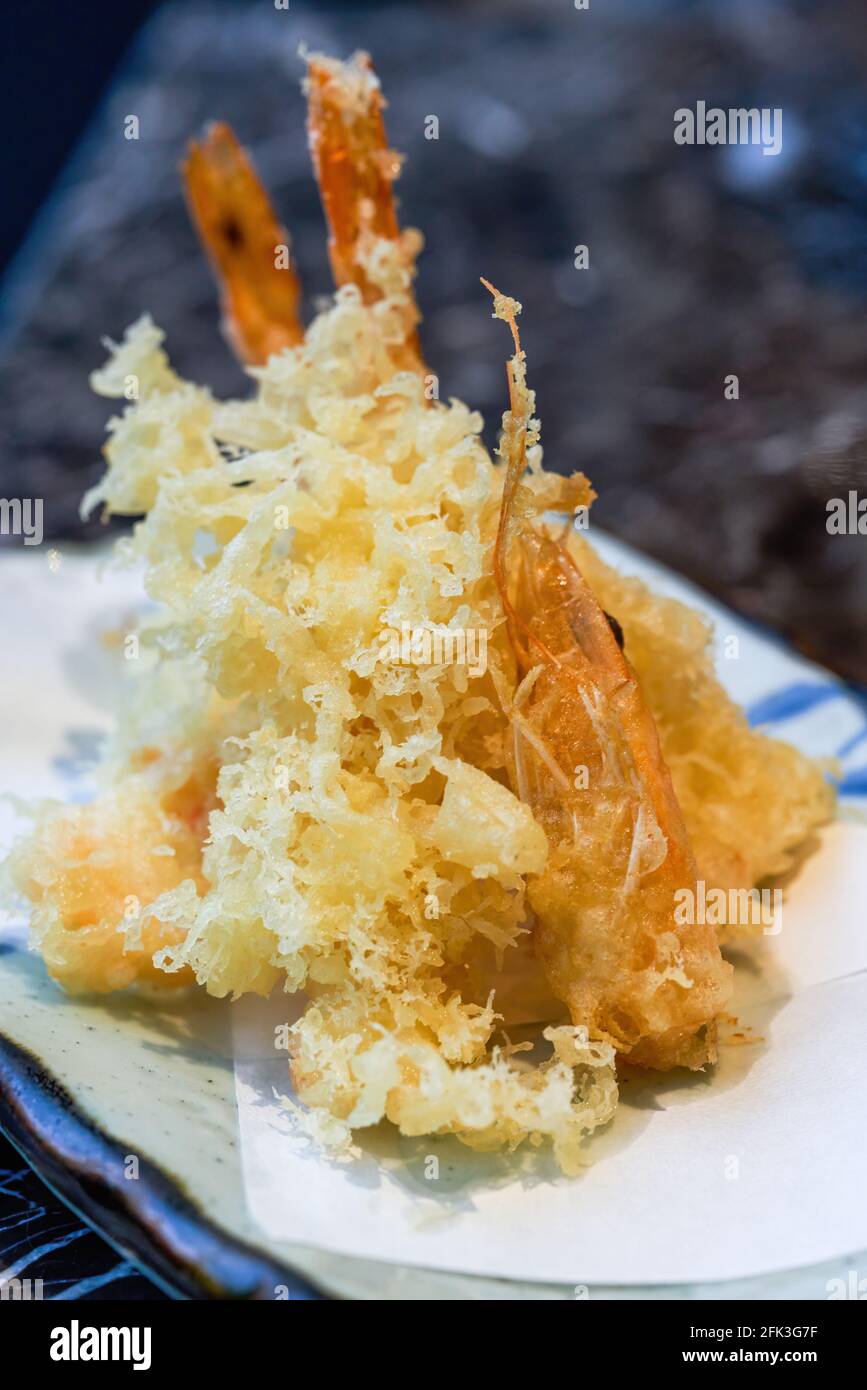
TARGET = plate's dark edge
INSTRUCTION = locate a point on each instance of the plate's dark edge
(149, 1218)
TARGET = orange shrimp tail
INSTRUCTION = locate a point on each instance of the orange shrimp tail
(356, 170)
(513, 453)
(247, 247)
(354, 167)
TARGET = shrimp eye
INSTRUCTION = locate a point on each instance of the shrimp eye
(616, 629)
(232, 233)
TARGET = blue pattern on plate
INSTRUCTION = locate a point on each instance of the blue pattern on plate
(801, 697)
(791, 701)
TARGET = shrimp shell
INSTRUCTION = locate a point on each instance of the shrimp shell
(243, 238)
(355, 170)
(606, 931)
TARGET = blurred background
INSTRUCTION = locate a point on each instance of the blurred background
(555, 130)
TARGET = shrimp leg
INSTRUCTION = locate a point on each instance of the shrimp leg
(247, 246)
(586, 757)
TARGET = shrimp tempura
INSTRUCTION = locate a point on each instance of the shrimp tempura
(355, 170)
(586, 758)
(247, 246)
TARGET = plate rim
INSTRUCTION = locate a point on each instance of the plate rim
(152, 1221)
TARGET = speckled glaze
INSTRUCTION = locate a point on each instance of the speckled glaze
(105, 1130)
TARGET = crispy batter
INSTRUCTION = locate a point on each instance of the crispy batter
(247, 246)
(749, 801)
(91, 873)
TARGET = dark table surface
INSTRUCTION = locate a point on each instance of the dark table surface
(555, 129)
(41, 1239)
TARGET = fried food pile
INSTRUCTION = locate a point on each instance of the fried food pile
(313, 785)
